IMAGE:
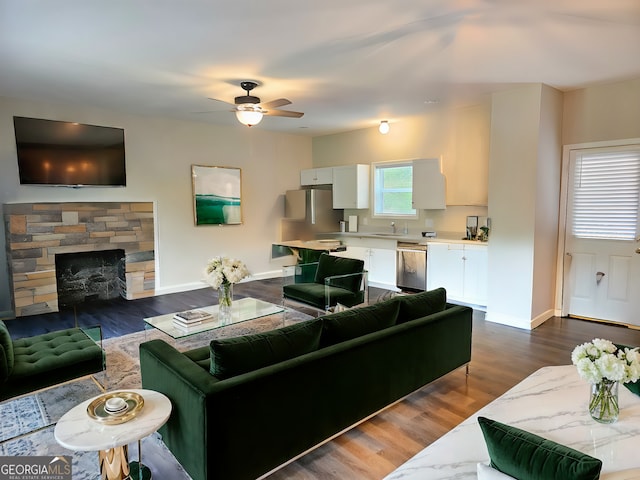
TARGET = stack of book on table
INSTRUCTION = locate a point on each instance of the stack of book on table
(191, 318)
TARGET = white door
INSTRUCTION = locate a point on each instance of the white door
(602, 267)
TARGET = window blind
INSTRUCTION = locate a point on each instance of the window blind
(606, 195)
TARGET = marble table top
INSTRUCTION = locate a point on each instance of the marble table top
(77, 431)
(552, 403)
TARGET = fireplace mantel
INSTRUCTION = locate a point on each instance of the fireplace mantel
(36, 232)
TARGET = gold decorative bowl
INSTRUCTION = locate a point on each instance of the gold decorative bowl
(96, 409)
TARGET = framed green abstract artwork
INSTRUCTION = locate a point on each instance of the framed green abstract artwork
(217, 195)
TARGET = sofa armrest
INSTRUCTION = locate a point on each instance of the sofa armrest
(187, 385)
(348, 280)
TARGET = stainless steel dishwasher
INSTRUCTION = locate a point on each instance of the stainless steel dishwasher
(411, 266)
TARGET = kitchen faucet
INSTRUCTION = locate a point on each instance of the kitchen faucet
(393, 227)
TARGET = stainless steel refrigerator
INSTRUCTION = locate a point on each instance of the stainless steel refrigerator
(309, 212)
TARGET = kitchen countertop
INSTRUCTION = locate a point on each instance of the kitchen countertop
(293, 247)
(328, 244)
(407, 237)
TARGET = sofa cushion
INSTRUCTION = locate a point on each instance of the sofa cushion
(314, 294)
(342, 326)
(6, 352)
(420, 305)
(526, 456)
(634, 387)
(237, 355)
(60, 351)
(330, 265)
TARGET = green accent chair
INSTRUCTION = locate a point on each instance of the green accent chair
(33, 363)
(325, 283)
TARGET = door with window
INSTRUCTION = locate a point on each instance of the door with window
(602, 260)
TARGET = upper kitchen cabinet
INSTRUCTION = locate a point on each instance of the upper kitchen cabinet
(428, 185)
(351, 186)
(467, 164)
(316, 176)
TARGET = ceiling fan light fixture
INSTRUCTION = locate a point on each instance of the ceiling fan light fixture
(384, 127)
(249, 115)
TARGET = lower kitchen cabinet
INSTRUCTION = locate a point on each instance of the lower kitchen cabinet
(380, 262)
(461, 269)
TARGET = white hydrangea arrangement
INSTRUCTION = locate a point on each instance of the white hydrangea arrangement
(600, 360)
(224, 270)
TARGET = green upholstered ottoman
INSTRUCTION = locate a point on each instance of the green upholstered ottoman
(32, 363)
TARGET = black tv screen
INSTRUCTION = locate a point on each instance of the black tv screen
(52, 152)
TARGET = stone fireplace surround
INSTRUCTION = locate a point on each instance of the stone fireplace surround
(36, 232)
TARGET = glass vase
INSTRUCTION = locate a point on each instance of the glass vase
(225, 301)
(603, 404)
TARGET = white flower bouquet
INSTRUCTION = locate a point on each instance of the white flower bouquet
(600, 360)
(224, 271)
(605, 365)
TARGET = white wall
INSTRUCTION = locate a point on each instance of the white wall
(602, 113)
(458, 136)
(512, 171)
(523, 204)
(159, 155)
(547, 204)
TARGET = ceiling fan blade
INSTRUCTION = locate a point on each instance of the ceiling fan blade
(283, 113)
(279, 102)
(221, 101)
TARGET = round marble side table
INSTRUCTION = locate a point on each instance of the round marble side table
(76, 430)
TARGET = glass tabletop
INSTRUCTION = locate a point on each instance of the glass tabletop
(242, 310)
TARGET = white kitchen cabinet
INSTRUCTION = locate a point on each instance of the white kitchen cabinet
(475, 274)
(351, 186)
(428, 190)
(316, 176)
(379, 258)
(461, 269)
(445, 268)
(467, 164)
(382, 267)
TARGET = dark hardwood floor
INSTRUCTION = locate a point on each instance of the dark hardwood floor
(120, 317)
(501, 357)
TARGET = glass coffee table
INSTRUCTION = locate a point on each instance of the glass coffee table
(242, 310)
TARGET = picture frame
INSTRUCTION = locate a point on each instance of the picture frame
(217, 195)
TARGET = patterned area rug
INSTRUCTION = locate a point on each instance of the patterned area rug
(32, 413)
(19, 417)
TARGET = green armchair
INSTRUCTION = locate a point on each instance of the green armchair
(325, 283)
(32, 363)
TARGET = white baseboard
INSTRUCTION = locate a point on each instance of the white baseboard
(524, 323)
(185, 287)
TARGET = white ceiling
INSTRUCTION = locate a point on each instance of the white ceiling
(346, 63)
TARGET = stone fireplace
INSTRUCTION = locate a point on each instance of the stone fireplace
(37, 233)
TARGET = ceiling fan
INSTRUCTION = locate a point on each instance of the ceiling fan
(249, 110)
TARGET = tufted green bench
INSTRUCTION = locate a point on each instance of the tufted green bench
(32, 363)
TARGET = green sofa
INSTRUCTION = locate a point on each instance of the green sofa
(266, 406)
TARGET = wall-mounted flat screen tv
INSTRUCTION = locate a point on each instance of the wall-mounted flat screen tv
(52, 152)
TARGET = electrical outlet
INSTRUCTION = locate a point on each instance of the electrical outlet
(428, 222)
(365, 220)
